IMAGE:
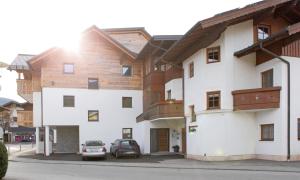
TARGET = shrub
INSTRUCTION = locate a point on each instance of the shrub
(3, 160)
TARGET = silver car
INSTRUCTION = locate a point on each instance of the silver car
(93, 149)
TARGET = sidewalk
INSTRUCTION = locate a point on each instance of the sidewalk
(247, 165)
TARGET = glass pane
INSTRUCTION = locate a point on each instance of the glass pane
(127, 102)
(69, 101)
(93, 115)
(92, 83)
(68, 68)
(126, 71)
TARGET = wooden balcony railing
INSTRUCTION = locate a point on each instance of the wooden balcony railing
(165, 109)
(25, 88)
(173, 73)
(25, 118)
(154, 78)
(256, 99)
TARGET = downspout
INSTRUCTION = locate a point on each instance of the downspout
(288, 98)
(42, 121)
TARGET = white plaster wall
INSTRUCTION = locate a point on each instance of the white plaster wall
(37, 109)
(175, 86)
(112, 117)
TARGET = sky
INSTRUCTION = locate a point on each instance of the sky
(33, 26)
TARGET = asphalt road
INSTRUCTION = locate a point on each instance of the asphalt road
(45, 171)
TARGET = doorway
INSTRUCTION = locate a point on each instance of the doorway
(159, 140)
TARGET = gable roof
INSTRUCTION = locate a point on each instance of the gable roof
(205, 32)
(129, 29)
(6, 101)
(20, 62)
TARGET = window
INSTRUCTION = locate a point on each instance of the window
(192, 129)
(299, 129)
(93, 83)
(213, 55)
(193, 114)
(126, 70)
(213, 100)
(127, 133)
(263, 32)
(68, 68)
(69, 101)
(169, 94)
(127, 102)
(267, 78)
(191, 69)
(267, 132)
(93, 115)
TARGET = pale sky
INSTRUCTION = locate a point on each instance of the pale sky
(32, 26)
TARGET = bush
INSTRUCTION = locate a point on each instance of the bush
(3, 160)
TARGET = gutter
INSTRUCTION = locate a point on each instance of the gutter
(288, 94)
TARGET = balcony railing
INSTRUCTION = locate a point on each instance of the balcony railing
(25, 118)
(256, 99)
(25, 88)
(162, 110)
(173, 73)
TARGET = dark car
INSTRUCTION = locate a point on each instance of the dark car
(125, 147)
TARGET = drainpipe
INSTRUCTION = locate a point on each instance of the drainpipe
(288, 98)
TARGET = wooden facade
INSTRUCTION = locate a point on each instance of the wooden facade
(255, 99)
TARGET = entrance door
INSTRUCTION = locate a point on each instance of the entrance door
(159, 140)
(183, 138)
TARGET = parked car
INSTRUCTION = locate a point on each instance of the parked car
(93, 149)
(125, 147)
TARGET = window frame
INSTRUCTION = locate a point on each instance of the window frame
(169, 94)
(131, 70)
(123, 97)
(131, 134)
(191, 70)
(263, 26)
(207, 100)
(91, 111)
(64, 105)
(90, 87)
(73, 72)
(219, 54)
(262, 78)
(262, 126)
(193, 114)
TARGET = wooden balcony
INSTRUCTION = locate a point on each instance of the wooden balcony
(173, 73)
(163, 110)
(25, 88)
(155, 78)
(25, 118)
(256, 99)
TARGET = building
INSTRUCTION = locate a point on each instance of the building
(236, 83)
(225, 90)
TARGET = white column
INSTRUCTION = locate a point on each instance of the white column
(37, 140)
(54, 136)
(47, 140)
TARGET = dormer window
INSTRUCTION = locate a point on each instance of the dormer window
(263, 32)
(213, 55)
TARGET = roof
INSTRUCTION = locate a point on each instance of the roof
(285, 33)
(21, 129)
(2, 64)
(20, 62)
(205, 32)
(158, 41)
(129, 29)
(6, 101)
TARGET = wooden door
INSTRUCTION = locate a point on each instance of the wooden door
(163, 139)
(183, 139)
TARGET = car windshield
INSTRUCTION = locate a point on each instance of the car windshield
(93, 143)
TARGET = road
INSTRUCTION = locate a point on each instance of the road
(45, 171)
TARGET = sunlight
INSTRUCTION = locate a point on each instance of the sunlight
(69, 42)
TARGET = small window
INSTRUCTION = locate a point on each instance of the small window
(267, 78)
(69, 101)
(93, 115)
(93, 83)
(126, 70)
(192, 129)
(68, 68)
(299, 129)
(127, 102)
(191, 69)
(213, 100)
(267, 132)
(213, 55)
(263, 32)
(127, 133)
(193, 114)
(169, 95)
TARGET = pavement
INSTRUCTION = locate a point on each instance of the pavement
(69, 166)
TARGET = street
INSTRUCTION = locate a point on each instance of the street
(62, 170)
